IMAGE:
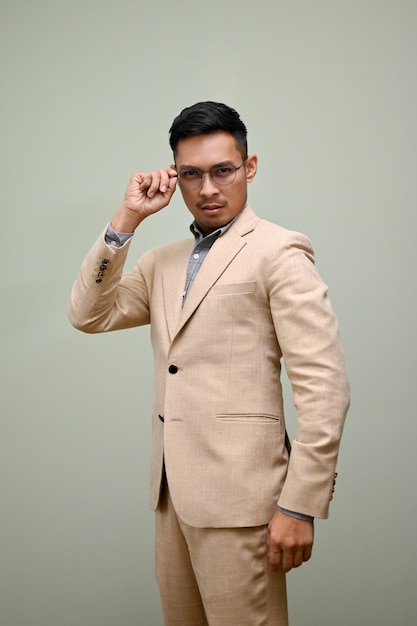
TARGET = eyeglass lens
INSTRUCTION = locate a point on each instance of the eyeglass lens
(224, 174)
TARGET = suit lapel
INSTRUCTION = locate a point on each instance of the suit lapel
(218, 258)
(220, 255)
(173, 283)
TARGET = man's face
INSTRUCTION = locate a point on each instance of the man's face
(211, 204)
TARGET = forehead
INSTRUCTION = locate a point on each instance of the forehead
(203, 151)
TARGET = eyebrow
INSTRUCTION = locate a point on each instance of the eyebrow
(194, 167)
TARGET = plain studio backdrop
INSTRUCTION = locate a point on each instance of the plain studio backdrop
(89, 89)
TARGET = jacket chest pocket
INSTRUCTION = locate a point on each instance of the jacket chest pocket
(232, 289)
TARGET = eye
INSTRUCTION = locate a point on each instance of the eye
(190, 174)
(223, 171)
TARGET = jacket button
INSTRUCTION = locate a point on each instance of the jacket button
(172, 369)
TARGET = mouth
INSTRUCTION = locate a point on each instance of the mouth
(211, 208)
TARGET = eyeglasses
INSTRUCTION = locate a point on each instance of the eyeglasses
(222, 174)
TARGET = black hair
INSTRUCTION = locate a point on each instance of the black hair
(208, 117)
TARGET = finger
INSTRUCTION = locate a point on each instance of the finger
(298, 558)
(307, 553)
(143, 181)
(275, 559)
(155, 183)
(136, 179)
(162, 181)
(169, 179)
(274, 552)
(294, 558)
(287, 561)
(173, 181)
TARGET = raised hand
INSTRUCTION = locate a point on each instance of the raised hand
(146, 193)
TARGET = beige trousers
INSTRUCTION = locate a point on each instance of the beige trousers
(215, 576)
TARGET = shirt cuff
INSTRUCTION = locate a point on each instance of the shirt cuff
(112, 238)
(301, 516)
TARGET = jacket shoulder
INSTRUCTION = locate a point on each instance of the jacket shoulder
(251, 224)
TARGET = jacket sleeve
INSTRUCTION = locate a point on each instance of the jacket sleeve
(307, 332)
(105, 299)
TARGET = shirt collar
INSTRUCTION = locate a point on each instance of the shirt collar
(198, 235)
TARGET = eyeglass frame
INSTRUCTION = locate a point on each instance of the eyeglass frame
(217, 165)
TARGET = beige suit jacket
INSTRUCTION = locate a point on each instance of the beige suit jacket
(218, 420)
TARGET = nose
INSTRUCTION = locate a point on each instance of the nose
(208, 186)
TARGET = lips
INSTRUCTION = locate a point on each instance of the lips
(211, 207)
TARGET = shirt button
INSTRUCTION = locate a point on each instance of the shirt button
(172, 369)
(196, 256)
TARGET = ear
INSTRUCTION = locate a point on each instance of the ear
(251, 167)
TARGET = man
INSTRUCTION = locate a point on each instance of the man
(234, 510)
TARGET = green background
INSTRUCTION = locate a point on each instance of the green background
(89, 89)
